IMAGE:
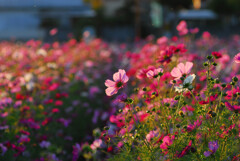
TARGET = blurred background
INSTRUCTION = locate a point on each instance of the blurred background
(113, 20)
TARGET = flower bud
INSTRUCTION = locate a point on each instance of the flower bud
(235, 79)
(209, 57)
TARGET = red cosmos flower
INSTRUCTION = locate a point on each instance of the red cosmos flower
(120, 79)
(110, 149)
(185, 150)
(58, 103)
(179, 48)
(20, 97)
(165, 56)
(216, 54)
(48, 101)
(55, 110)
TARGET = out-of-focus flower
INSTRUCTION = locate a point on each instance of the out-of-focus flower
(154, 73)
(53, 31)
(216, 54)
(194, 30)
(185, 150)
(96, 144)
(237, 58)
(44, 144)
(234, 108)
(213, 146)
(151, 135)
(3, 149)
(167, 141)
(182, 28)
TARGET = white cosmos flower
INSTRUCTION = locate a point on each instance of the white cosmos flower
(186, 83)
(189, 79)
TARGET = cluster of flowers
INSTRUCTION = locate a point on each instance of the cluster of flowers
(182, 102)
(46, 96)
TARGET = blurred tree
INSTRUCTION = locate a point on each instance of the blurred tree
(177, 4)
(226, 7)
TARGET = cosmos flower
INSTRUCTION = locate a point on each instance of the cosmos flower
(120, 78)
(216, 54)
(167, 141)
(213, 146)
(154, 73)
(185, 150)
(182, 28)
(237, 58)
(44, 144)
(234, 108)
(187, 83)
(151, 135)
(181, 70)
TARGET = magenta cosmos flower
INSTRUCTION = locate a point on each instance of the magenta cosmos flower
(234, 108)
(120, 78)
(181, 70)
(237, 58)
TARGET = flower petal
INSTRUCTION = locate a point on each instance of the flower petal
(188, 67)
(176, 72)
(207, 153)
(229, 106)
(109, 83)
(111, 91)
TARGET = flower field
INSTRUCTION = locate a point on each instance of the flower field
(156, 99)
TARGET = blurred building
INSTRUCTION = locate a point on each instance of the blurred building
(25, 19)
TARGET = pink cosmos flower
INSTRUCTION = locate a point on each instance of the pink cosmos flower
(151, 135)
(206, 35)
(196, 124)
(120, 78)
(181, 70)
(237, 58)
(162, 40)
(194, 30)
(53, 31)
(182, 28)
(167, 141)
(154, 73)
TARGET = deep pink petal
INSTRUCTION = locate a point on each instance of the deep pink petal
(236, 107)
